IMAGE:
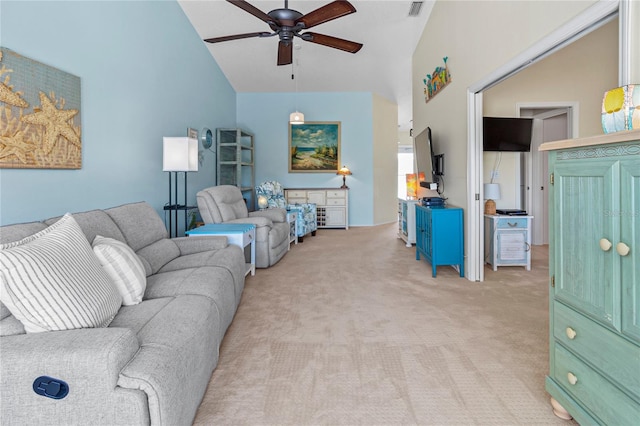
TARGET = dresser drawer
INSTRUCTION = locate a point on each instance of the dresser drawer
(615, 357)
(296, 194)
(292, 200)
(336, 194)
(512, 223)
(317, 197)
(336, 202)
(595, 393)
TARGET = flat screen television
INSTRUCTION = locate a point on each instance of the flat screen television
(423, 153)
(507, 134)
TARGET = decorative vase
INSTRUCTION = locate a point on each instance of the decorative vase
(621, 109)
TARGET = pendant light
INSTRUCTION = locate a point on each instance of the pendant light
(296, 117)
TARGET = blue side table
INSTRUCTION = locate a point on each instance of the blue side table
(239, 234)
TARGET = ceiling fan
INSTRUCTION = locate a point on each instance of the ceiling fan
(288, 23)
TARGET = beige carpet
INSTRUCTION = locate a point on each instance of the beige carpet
(349, 329)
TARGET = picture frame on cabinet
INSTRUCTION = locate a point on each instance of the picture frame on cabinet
(314, 147)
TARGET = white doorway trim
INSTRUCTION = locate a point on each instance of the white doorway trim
(534, 162)
(589, 20)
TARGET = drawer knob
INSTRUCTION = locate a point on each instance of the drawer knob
(605, 244)
(622, 249)
(571, 333)
(513, 225)
(572, 378)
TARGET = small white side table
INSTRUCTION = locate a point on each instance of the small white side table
(292, 217)
(239, 234)
(507, 240)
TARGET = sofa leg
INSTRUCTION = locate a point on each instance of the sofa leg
(313, 233)
(301, 239)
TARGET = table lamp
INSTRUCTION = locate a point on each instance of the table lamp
(263, 202)
(491, 193)
(344, 171)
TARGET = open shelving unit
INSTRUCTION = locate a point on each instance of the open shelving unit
(236, 162)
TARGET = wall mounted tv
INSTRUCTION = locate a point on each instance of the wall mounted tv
(426, 161)
(507, 134)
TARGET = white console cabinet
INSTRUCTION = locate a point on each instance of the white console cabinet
(332, 204)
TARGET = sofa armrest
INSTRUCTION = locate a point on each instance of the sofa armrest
(198, 244)
(275, 214)
(89, 360)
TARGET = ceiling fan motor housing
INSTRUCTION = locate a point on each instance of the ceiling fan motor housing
(288, 23)
(285, 23)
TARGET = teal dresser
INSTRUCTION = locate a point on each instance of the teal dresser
(439, 236)
(594, 267)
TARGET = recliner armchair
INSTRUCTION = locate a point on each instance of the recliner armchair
(307, 220)
(224, 204)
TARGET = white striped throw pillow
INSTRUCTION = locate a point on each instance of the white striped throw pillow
(123, 266)
(52, 280)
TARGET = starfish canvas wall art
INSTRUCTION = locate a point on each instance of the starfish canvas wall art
(40, 125)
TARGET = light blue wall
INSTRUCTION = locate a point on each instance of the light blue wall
(145, 74)
(267, 116)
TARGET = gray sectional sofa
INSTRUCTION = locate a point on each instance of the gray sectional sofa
(153, 362)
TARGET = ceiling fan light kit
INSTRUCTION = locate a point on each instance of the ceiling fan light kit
(288, 23)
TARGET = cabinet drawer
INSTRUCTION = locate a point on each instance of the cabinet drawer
(336, 194)
(296, 194)
(292, 200)
(336, 202)
(596, 393)
(317, 197)
(512, 222)
(613, 355)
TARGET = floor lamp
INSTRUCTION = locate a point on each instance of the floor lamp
(179, 155)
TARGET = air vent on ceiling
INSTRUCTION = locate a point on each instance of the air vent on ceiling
(414, 9)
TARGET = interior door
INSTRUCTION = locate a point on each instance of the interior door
(549, 124)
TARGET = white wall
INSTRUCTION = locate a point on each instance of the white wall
(581, 73)
(385, 160)
(477, 37)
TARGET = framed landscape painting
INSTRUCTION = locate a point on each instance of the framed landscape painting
(314, 147)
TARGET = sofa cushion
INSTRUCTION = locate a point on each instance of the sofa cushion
(178, 351)
(140, 224)
(94, 222)
(11, 233)
(123, 266)
(52, 280)
(211, 282)
(135, 317)
(158, 254)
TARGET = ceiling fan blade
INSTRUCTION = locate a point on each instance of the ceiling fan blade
(326, 13)
(236, 37)
(285, 53)
(247, 7)
(336, 43)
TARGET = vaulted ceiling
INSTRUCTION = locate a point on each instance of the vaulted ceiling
(382, 66)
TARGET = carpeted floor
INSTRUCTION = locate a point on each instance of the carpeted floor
(349, 329)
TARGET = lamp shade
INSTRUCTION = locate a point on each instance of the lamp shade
(296, 118)
(344, 171)
(263, 202)
(491, 191)
(179, 154)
